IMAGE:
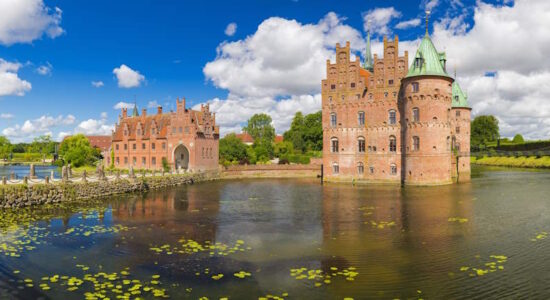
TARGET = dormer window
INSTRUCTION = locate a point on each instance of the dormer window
(418, 62)
(456, 98)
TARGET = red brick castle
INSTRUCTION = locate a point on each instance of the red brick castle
(386, 122)
(186, 139)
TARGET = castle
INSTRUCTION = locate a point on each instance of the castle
(185, 139)
(386, 122)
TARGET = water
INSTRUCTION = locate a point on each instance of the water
(24, 170)
(290, 224)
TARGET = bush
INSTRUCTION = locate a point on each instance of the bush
(165, 165)
(283, 161)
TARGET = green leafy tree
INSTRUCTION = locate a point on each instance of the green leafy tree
(112, 166)
(5, 147)
(77, 151)
(260, 128)
(518, 139)
(43, 145)
(484, 130)
(232, 149)
(295, 134)
(313, 131)
(165, 165)
(306, 133)
(283, 148)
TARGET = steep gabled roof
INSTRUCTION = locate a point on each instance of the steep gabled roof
(432, 62)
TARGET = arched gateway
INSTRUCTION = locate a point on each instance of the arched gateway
(181, 157)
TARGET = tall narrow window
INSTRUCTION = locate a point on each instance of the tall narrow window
(360, 168)
(153, 146)
(143, 161)
(333, 119)
(335, 168)
(416, 115)
(334, 145)
(418, 62)
(416, 143)
(393, 169)
(458, 130)
(353, 85)
(361, 144)
(458, 113)
(415, 87)
(361, 118)
(392, 118)
(393, 144)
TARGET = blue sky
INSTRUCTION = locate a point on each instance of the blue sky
(171, 43)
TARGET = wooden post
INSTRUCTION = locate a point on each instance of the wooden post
(47, 180)
(25, 180)
(32, 173)
(51, 175)
(84, 176)
(12, 176)
(4, 181)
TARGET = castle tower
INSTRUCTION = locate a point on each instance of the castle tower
(425, 106)
(460, 130)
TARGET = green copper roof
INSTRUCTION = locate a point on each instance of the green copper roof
(459, 97)
(369, 62)
(432, 62)
(135, 112)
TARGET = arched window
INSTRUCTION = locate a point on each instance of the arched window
(334, 144)
(416, 114)
(361, 118)
(333, 119)
(391, 117)
(393, 144)
(393, 169)
(360, 168)
(361, 144)
(449, 143)
(335, 168)
(416, 143)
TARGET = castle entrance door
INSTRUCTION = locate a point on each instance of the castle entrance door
(181, 157)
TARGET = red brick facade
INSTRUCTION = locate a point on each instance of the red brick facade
(379, 126)
(187, 139)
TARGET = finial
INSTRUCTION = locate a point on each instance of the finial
(428, 12)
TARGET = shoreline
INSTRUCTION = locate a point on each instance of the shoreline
(531, 162)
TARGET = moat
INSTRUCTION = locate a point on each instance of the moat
(295, 239)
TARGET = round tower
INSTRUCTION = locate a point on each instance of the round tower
(460, 134)
(425, 104)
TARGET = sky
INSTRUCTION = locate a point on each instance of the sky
(69, 66)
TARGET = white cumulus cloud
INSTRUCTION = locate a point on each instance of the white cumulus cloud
(122, 104)
(231, 29)
(378, 19)
(408, 24)
(95, 126)
(40, 126)
(23, 21)
(128, 78)
(45, 69)
(10, 83)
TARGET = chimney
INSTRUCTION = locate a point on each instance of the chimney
(124, 113)
(144, 112)
(159, 110)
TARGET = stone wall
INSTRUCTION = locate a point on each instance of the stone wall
(13, 196)
(271, 171)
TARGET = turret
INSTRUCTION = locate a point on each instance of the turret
(425, 105)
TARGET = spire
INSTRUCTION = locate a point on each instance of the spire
(427, 21)
(368, 64)
(135, 112)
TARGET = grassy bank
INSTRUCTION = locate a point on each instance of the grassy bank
(517, 162)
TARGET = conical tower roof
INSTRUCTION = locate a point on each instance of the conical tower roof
(460, 99)
(427, 60)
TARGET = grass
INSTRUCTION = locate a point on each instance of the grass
(519, 162)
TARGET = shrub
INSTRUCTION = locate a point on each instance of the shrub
(284, 161)
(165, 165)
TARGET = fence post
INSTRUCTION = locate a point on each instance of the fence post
(25, 180)
(47, 180)
(12, 176)
(51, 175)
(4, 181)
(32, 173)
(84, 176)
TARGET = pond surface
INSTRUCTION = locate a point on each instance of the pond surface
(294, 239)
(21, 171)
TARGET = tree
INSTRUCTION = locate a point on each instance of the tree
(43, 145)
(306, 133)
(232, 149)
(77, 151)
(283, 148)
(484, 129)
(518, 139)
(313, 131)
(260, 128)
(5, 147)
